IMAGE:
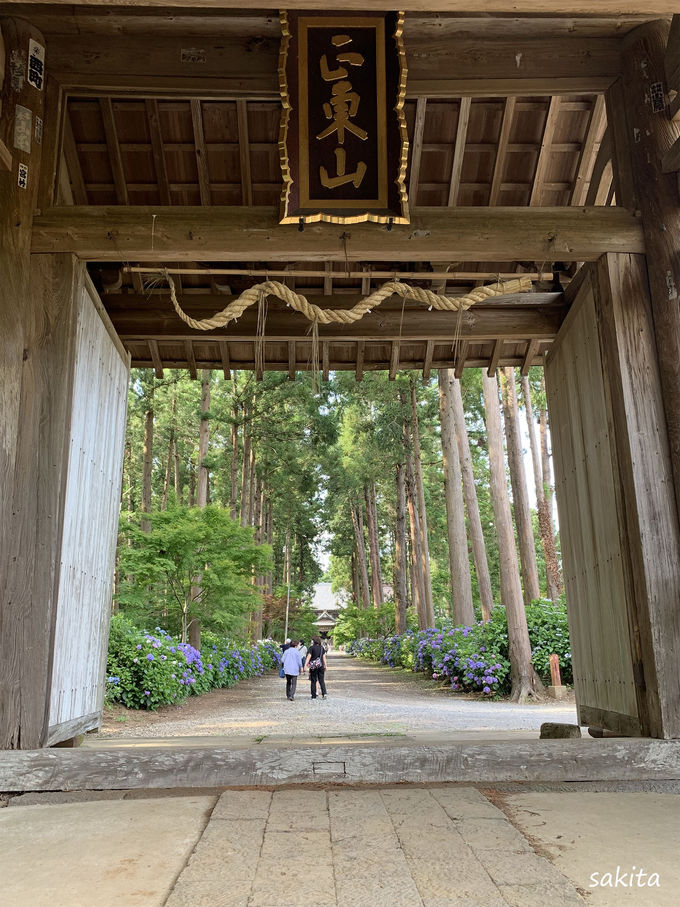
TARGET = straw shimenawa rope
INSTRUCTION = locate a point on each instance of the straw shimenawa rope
(344, 316)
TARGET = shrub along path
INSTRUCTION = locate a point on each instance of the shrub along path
(363, 699)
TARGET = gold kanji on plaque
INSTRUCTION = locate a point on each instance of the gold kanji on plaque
(343, 133)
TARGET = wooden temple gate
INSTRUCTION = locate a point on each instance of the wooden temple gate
(145, 137)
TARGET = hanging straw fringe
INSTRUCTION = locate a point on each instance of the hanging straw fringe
(319, 316)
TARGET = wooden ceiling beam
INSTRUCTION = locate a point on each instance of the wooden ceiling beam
(115, 156)
(191, 359)
(438, 66)
(461, 357)
(325, 360)
(434, 235)
(532, 349)
(416, 150)
(602, 174)
(291, 360)
(495, 357)
(485, 7)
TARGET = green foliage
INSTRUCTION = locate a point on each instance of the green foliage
(192, 563)
(147, 670)
(355, 623)
(475, 659)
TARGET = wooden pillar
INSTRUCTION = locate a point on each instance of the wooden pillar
(644, 132)
(24, 375)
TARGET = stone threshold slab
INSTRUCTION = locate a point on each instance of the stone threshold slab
(201, 766)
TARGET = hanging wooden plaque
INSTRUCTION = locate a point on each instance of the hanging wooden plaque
(343, 140)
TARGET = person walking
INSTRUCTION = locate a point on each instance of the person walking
(316, 662)
(292, 666)
(303, 653)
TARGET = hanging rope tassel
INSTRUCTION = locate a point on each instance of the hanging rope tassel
(260, 336)
(316, 366)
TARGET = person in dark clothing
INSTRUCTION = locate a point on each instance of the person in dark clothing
(316, 663)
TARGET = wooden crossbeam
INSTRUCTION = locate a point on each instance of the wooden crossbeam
(486, 7)
(291, 360)
(427, 364)
(499, 166)
(113, 145)
(157, 150)
(224, 356)
(544, 154)
(459, 150)
(361, 347)
(156, 358)
(495, 357)
(438, 67)
(191, 359)
(532, 349)
(434, 234)
(201, 153)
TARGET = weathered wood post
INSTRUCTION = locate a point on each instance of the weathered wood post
(644, 133)
(24, 643)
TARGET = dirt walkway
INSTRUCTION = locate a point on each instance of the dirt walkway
(362, 699)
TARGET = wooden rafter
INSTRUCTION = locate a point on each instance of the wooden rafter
(495, 357)
(361, 347)
(191, 359)
(113, 145)
(201, 154)
(291, 360)
(532, 349)
(244, 151)
(602, 175)
(156, 358)
(418, 130)
(158, 151)
(224, 356)
(459, 150)
(328, 279)
(394, 360)
(591, 146)
(325, 360)
(427, 364)
(73, 164)
(546, 150)
(461, 357)
(499, 166)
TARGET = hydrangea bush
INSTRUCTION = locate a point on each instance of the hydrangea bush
(475, 659)
(146, 670)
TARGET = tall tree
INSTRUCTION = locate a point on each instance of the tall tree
(518, 481)
(545, 524)
(148, 451)
(422, 510)
(203, 441)
(459, 562)
(358, 523)
(400, 555)
(525, 681)
(417, 577)
(471, 502)
(373, 545)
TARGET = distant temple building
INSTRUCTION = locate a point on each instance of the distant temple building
(326, 605)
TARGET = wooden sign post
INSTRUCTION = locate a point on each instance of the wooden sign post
(343, 137)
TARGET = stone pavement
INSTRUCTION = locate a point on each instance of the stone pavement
(445, 845)
(400, 847)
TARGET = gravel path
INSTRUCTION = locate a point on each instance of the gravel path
(362, 699)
